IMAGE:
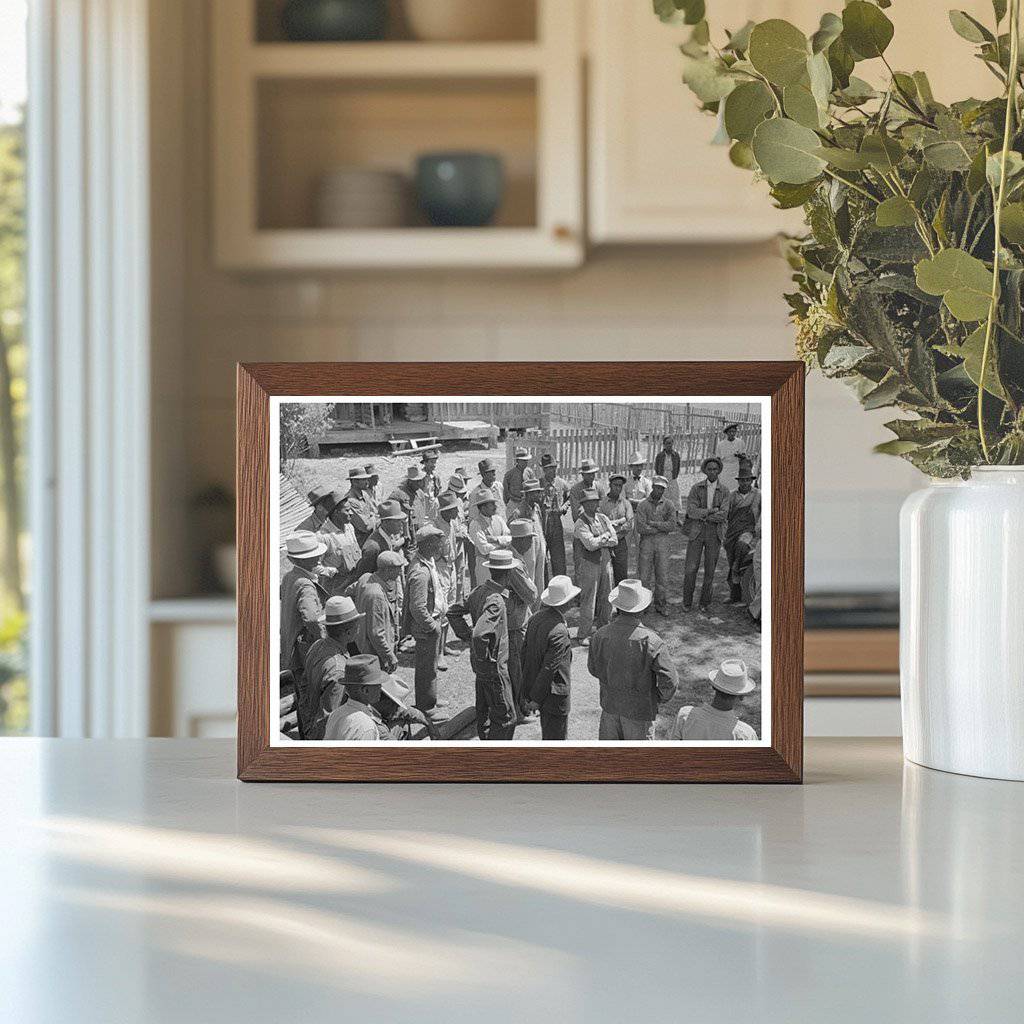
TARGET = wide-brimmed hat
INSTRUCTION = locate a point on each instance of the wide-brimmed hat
(397, 689)
(630, 596)
(711, 458)
(428, 532)
(317, 494)
(364, 670)
(617, 476)
(484, 495)
(589, 466)
(522, 453)
(391, 559)
(304, 544)
(659, 481)
(520, 528)
(485, 466)
(390, 510)
(340, 610)
(590, 494)
(501, 558)
(358, 473)
(457, 484)
(560, 590)
(371, 470)
(337, 498)
(547, 459)
(636, 459)
(415, 472)
(447, 501)
(731, 677)
(746, 473)
(530, 482)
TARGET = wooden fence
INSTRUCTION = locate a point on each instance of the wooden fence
(612, 449)
(675, 421)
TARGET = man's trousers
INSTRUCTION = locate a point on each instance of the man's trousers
(705, 547)
(595, 581)
(652, 566)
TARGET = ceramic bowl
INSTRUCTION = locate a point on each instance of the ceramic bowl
(471, 20)
(460, 189)
(333, 21)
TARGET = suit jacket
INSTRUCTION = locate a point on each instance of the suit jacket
(698, 513)
(421, 601)
(659, 464)
(379, 633)
(547, 661)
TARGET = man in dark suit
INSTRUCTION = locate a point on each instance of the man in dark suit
(547, 659)
(707, 510)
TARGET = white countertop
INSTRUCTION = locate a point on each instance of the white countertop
(141, 882)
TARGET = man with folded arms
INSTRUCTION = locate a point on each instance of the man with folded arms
(325, 663)
(554, 503)
(427, 601)
(487, 530)
(615, 505)
(717, 719)
(655, 521)
(633, 665)
(707, 509)
(512, 483)
(487, 636)
(362, 507)
(547, 659)
(594, 537)
(488, 477)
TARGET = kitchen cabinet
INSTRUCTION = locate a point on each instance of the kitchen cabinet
(653, 175)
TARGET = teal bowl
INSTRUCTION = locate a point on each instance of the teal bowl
(460, 189)
(334, 21)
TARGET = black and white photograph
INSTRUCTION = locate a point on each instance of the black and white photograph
(520, 571)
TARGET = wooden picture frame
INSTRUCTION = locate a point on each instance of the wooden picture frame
(779, 760)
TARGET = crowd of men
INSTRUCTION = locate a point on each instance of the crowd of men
(484, 563)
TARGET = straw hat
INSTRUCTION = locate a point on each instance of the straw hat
(659, 481)
(630, 596)
(589, 466)
(731, 677)
(500, 558)
(530, 482)
(590, 494)
(340, 610)
(305, 544)
(636, 459)
(522, 453)
(561, 590)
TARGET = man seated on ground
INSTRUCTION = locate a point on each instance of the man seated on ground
(487, 530)
(717, 719)
(378, 596)
(547, 659)
(487, 636)
(357, 719)
(633, 665)
(325, 663)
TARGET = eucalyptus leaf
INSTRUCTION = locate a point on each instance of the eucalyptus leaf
(993, 167)
(895, 447)
(779, 51)
(857, 91)
(963, 281)
(739, 41)
(788, 196)
(787, 152)
(894, 212)
(999, 9)
(866, 29)
(841, 62)
(741, 155)
(883, 395)
(819, 75)
(882, 152)
(1012, 223)
(708, 80)
(969, 28)
(972, 351)
(924, 87)
(829, 30)
(745, 108)
(947, 156)
(801, 106)
(844, 159)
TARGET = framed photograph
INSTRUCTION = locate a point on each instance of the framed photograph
(520, 572)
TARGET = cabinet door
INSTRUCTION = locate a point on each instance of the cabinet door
(654, 176)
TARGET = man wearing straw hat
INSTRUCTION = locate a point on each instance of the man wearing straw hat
(325, 663)
(633, 665)
(707, 509)
(512, 484)
(594, 538)
(487, 636)
(302, 598)
(655, 521)
(717, 719)
(547, 659)
(554, 504)
(487, 530)
(637, 486)
(362, 508)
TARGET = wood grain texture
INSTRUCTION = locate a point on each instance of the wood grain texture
(480, 762)
(852, 650)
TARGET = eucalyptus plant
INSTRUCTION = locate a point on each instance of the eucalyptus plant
(910, 277)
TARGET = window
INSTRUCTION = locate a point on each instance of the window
(14, 695)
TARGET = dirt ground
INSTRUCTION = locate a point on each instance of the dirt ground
(698, 641)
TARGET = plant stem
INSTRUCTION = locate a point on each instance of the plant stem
(1011, 108)
(853, 185)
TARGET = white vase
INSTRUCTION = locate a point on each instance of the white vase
(962, 624)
